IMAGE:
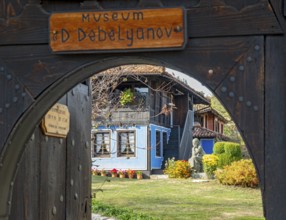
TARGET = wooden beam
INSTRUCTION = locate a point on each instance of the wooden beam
(31, 26)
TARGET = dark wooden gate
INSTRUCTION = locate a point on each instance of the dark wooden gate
(236, 48)
(53, 176)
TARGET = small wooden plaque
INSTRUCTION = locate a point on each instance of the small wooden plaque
(146, 29)
(56, 122)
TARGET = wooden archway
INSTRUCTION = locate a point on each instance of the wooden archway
(235, 47)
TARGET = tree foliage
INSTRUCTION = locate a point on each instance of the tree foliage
(107, 98)
(230, 128)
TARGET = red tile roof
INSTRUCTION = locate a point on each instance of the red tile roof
(199, 132)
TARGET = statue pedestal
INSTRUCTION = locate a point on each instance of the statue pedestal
(199, 176)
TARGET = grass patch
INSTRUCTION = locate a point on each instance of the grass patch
(119, 213)
(178, 199)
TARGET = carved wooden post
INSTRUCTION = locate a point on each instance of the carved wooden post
(275, 128)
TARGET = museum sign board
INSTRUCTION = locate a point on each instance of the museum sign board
(121, 30)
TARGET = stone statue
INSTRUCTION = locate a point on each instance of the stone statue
(196, 161)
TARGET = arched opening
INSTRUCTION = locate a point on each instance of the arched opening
(24, 128)
(109, 160)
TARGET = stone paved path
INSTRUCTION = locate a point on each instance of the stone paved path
(99, 217)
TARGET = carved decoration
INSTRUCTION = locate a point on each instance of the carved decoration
(240, 4)
(11, 8)
(100, 5)
(150, 3)
(91, 5)
(186, 4)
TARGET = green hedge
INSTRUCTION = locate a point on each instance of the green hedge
(233, 149)
(219, 147)
(227, 153)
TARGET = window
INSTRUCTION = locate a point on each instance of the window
(101, 147)
(164, 141)
(141, 89)
(141, 97)
(199, 119)
(158, 144)
(206, 121)
(216, 125)
(164, 104)
(126, 143)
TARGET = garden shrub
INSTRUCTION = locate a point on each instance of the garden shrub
(239, 173)
(210, 162)
(227, 152)
(233, 149)
(177, 169)
(224, 159)
(219, 147)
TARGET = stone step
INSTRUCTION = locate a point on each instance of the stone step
(157, 172)
(199, 181)
(158, 176)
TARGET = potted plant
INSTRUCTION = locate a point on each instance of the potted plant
(93, 171)
(113, 172)
(130, 173)
(103, 172)
(121, 173)
(126, 97)
(139, 174)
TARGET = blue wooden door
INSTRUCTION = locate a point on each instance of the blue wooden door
(207, 145)
(157, 145)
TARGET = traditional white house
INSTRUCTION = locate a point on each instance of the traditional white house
(143, 138)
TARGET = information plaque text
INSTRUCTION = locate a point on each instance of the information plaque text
(56, 122)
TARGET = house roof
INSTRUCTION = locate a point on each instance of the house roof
(138, 69)
(151, 70)
(209, 109)
(199, 132)
(199, 98)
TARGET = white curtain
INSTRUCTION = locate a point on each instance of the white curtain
(132, 141)
(106, 142)
(98, 142)
(102, 139)
(123, 140)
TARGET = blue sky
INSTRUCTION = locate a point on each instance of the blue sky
(193, 83)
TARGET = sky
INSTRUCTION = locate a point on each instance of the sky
(193, 83)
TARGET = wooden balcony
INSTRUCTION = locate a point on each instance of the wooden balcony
(137, 112)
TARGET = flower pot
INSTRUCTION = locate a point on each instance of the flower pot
(130, 176)
(103, 174)
(114, 175)
(121, 176)
(139, 176)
